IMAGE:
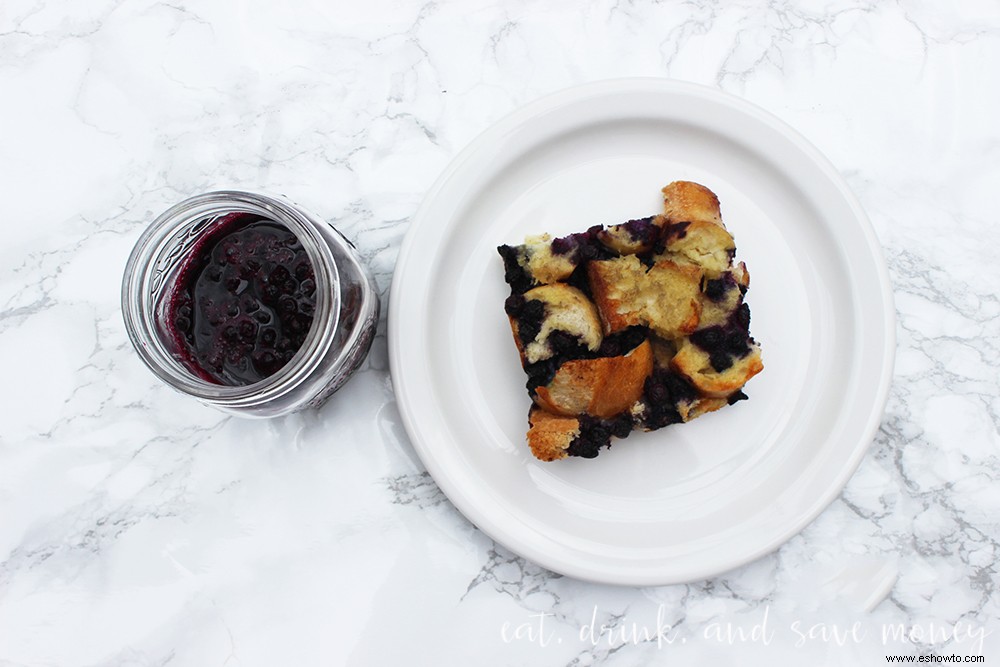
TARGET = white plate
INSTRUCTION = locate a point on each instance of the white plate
(691, 500)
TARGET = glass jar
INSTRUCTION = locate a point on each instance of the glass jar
(344, 320)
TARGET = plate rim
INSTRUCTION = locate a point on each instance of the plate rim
(596, 89)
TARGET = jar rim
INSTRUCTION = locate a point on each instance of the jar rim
(145, 277)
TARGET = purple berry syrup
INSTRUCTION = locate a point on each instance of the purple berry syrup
(243, 301)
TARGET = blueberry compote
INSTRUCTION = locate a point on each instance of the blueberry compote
(243, 301)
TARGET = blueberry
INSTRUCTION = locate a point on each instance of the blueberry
(621, 426)
(736, 397)
(611, 348)
(270, 293)
(248, 330)
(720, 361)
(513, 305)
(708, 339)
(530, 322)
(676, 230)
(740, 318)
(279, 275)
(642, 230)
(656, 391)
(514, 275)
(715, 289)
(736, 343)
(564, 245)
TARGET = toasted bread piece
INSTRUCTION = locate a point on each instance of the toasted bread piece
(602, 387)
(566, 309)
(542, 260)
(684, 201)
(666, 298)
(702, 243)
(545, 266)
(549, 435)
(695, 364)
(634, 236)
(553, 437)
(720, 297)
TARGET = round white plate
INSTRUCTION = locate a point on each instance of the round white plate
(691, 500)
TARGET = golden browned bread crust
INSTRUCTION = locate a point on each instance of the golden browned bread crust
(602, 387)
(684, 201)
(695, 364)
(550, 435)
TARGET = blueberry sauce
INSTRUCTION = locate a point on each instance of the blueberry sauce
(243, 301)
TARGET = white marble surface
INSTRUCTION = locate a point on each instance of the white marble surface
(140, 528)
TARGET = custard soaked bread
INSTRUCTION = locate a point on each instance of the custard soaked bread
(634, 326)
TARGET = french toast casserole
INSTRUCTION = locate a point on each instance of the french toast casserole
(632, 326)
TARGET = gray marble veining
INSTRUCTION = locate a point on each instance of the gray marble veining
(140, 528)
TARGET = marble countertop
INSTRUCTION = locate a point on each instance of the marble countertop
(141, 528)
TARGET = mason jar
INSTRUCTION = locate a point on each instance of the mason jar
(344, 318)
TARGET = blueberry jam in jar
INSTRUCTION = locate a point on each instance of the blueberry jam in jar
(243, 302)
(249, 303)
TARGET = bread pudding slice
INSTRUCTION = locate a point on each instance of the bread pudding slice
(634, 326)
